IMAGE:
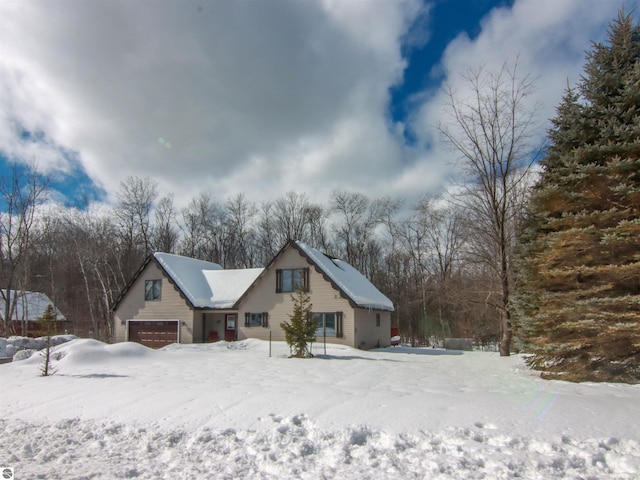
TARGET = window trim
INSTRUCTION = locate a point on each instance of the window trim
(280, 287)
(264, 320)
(337, 324)
(154, 296)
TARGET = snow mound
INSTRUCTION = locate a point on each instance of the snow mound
(89, 351)
(295, 447)
(81, 352)
(10, 346)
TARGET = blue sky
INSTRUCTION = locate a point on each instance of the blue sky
(264, 97)
(446, 20)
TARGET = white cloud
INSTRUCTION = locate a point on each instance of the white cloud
(257, 97)
(206, 95)
(549, 38)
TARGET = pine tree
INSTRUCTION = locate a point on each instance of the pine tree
(578, 297)
(47, 319)
(301, 332)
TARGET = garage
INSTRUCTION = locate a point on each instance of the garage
(153, 333)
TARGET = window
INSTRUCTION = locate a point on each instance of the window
(339, 331)
(256, 319)
(292, 280)
(377, 319)
(152, 289)
(325, 324)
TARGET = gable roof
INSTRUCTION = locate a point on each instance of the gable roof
(204, 285)
(227, 286)
(349, 281)
(351, 284)
(30, 306)
(188, 275)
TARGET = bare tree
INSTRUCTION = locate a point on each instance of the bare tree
(133, 211)
(239, 232)
(355, 227)
(492, 130)
(21, 192)
(164, 232)
(295, 217)
(97, 272)
(203, 225)
(266, 241)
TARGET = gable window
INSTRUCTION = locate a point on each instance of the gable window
(377, 319)
(292, 279)
(256, 319)
(152, 289)
(325, 324)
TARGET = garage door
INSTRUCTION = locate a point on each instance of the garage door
(152, 333)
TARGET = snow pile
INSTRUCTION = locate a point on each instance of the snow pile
(26, 346)
(232, 411)
(296, 448)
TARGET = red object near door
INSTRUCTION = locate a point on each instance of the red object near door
(230, 328)
(395, 336)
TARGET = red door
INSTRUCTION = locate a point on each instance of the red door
(230, 328)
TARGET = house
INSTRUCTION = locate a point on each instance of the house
(29, 308)
(175, 299)
(178, 299)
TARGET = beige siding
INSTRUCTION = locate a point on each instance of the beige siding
(171, 306)
(368, 334)
(263, 298)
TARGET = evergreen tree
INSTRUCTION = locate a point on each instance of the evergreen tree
(47, 320)
(578, 297)
(301, 332)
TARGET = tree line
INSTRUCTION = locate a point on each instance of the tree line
(419, 255)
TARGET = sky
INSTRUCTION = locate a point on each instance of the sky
(267, 97)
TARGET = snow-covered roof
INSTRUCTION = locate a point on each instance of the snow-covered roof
(30, 306)
(206, 284)
(188, 275)
(352, 283)
(227, 286)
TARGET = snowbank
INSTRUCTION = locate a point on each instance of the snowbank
(232, 411)
(10, 346)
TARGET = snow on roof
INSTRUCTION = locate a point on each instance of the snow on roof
(30, 306)
(349, 280)
(227, 286)
(188, 274)
(206, 284)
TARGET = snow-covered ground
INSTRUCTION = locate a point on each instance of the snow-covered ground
(231, 411)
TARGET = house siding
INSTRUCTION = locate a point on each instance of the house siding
(368, 334)
(171, 306)
(263, 298)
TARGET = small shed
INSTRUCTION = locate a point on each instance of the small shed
(29, 308)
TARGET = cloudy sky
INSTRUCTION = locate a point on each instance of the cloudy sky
(265, 97)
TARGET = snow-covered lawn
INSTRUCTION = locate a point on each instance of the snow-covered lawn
(231, 411)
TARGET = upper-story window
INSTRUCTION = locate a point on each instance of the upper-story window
(152, 289)
(292, 280)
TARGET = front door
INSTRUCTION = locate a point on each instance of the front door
(230, 328)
